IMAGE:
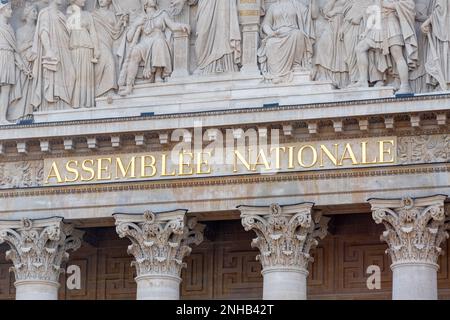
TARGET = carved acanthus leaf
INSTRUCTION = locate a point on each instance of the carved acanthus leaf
(38, 248)
(284, 237)
(414, 230)
(160, 242)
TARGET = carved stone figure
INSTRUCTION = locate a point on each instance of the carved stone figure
(218, 43)
(395, 37)
(437, 29)
(53, 70)
(109, 29)
(286, 45)
(25, 34)
(352, 27)
(10, 62)
(84, 47)
(41, 4)
(418, 77)
(329, 62)
(149, 44)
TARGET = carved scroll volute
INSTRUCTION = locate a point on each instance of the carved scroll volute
(38, 248)
(415, 228)
(161, 241)
(285, 235)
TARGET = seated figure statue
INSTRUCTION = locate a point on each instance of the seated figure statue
(149, 44)
(286, 45)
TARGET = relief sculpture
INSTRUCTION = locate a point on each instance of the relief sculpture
(70, 54)
(148, 41)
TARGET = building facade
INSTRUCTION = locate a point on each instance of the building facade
(224, 149)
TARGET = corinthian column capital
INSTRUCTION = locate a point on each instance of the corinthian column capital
(285, 234)
(415, 228)
(39, 247)
(160, 241)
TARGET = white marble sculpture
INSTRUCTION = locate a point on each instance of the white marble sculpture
(83, 57)
(218, 43)
(25, 34)
(395, 38)
(329, 62)
(418, 77)
(53, 70)
(11, 63)
(84, 47)
(109, 29)
(352, 27)
(149, 44)
(286, 44)
(437, 29)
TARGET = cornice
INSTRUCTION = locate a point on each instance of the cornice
(322, 105)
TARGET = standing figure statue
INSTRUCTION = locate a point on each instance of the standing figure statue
(218, 43)
(84, 47)
(25, 34)
(53, 70)
(350, 31)
(149, 44)
(329, 62)
(286, 45)
(395, 37)
(418, 77)
(11, 63)
(437, 29)
(109, 29)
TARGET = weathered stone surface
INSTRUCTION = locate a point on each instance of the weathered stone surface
(415, 230)
(37, 250)
(160, 242)
(285, 237)
(115, 45)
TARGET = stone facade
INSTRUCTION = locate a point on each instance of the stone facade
(188, 126)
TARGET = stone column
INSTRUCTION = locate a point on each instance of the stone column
(160, 241)
(285, 237)
(37, 250)
(415, 229)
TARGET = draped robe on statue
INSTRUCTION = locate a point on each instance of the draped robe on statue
(353, 26)
(418, 77)
(107, 31)
(290, 47)
(440, 34)
(22, 106)
(218, 44)
(330, 57)
(397, 29)
(54, 81)
(9, 73)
